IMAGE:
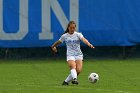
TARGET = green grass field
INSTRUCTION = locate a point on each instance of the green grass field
(46, 76)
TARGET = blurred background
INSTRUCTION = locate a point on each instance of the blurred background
(28, 28)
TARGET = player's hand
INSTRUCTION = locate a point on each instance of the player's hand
(54, 49)
(91, 46)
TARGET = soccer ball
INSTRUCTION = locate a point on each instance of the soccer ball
(93, 77)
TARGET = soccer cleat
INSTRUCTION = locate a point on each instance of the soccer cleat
(75, 81)
(65, 83)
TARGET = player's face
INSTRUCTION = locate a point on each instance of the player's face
(71, 28)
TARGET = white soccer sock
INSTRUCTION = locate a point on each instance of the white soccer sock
(73, 73)
(69, 78)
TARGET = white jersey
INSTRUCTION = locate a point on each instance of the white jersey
(72, 43)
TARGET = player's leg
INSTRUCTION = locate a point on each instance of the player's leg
(73, 73)
(72, 66)
(79, 66)
(78, 70)
(67, 80)
(79, 63)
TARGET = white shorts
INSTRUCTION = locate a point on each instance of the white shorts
(79, 57)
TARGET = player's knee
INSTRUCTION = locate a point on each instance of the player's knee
(72, 66)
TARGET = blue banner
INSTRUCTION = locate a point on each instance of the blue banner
(39, 23)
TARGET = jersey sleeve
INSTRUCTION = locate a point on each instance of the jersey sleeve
(62, 38)
(80, 35)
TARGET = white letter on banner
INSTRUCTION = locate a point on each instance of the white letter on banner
(46, 16)
(23, 22)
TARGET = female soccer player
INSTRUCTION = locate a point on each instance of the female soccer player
(74, 54)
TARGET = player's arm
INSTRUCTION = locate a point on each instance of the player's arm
(87, 43)
(54, 49)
